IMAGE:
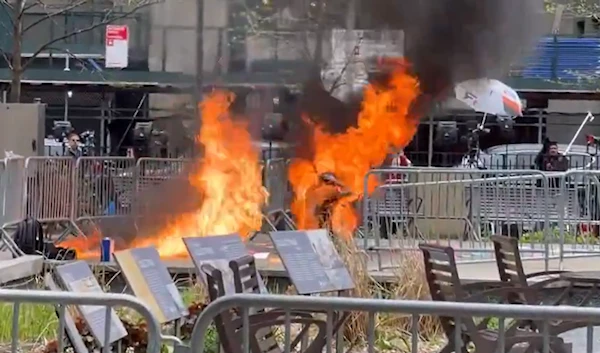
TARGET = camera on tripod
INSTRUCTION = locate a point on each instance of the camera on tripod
(149, 141)
(61, 130)
(88, 141)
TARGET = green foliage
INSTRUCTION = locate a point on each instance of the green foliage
(554, 237)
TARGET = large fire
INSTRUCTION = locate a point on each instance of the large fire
(228, 176)
(384, 122)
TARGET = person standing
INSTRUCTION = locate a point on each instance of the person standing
(73, 146)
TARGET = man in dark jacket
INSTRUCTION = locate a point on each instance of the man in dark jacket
(73, 148)
(550, 160)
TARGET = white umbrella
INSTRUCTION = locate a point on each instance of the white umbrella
(489, 97)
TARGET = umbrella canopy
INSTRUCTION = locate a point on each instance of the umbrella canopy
(490, 97)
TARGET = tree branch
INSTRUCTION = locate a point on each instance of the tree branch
(8, 61)
(53, 14)
(336, 84)
(105, 21)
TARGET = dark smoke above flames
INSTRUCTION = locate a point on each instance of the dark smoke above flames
(447, 41)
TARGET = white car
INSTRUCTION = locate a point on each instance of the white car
(522, 156)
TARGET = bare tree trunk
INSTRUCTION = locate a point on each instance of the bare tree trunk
(16, 60)
(319, 38)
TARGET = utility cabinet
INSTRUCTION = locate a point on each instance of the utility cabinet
(22, 129)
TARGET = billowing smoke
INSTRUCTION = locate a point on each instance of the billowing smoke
(449, 41)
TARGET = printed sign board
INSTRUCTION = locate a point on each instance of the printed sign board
(117, 46)
(312, 261)
(150, 280)
(77, 277)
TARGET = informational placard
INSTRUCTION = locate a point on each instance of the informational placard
(312, 262)
(77, 277)
(117, 46)
(217, 251)
(150, 280)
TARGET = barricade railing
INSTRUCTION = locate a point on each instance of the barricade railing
(578, 232)
(154, 172)
(49, 188)
(411, 311)
(13, 191)
(61, 301)
(275, 180)
(104, 187)
(458, 207)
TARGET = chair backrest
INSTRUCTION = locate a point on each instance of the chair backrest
(245, 275)
(508, 260)
(223, 322)
(444, 284)
(510, 268)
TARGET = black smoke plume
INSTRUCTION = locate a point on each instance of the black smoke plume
(449, 41)
(446, 42)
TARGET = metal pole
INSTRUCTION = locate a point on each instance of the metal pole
(351, 43)
(199, 50)
(103, 126)
(588, 118)
(66, 117)
(430, 142)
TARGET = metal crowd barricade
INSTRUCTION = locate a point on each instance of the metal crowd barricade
(13, 191)
(275, 181)
(3, 185)
(578, 231)
(458, 207)
(49, 188)
(63, 299)
(153, 172)
(104, 187)
(411, 311)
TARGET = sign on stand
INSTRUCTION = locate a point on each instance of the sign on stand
(150, 280)
(77, 277)
(312, 261)
(117, 46)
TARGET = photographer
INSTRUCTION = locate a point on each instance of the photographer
(73, 148)
(550, 160)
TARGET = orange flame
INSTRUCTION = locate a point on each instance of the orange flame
(384, 122)
(228, 177)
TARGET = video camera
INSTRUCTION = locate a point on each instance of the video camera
(61, 130)
(88, 141)
(149, 141)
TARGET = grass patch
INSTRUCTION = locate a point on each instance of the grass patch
(36, 322)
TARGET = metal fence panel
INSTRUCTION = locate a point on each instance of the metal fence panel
(407, 313)
(61, 299)
(13, 190)
(153, 172)
(103, 187)
(49, 188)
(461, 208)
(276, 182)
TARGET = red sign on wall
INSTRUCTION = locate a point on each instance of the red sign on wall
(117, 46)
